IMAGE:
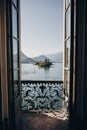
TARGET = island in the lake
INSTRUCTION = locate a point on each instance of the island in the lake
(45, 63)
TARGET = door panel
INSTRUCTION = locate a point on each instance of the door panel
(13, 63)
(15, 57)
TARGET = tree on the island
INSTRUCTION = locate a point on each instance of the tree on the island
(46, 60)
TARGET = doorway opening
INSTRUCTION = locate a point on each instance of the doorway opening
(42, 59)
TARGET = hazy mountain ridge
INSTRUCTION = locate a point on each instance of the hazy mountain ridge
(57, 57)
(40, 58)
(24, 58)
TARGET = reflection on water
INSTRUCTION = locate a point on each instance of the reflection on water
(34, 72)
(45, 68)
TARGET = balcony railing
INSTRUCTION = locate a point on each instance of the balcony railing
(42, 95)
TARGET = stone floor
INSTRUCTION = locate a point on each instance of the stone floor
(46, 120)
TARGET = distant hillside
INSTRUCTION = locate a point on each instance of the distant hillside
(40, 58)
(57, 57)
(25, 59)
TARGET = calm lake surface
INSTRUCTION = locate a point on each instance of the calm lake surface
(34, 72)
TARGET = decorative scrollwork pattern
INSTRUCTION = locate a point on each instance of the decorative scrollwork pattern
(42, 95)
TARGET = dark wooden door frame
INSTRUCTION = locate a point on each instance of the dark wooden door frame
(0, 74)
(78, 108)
(0, 78)
(71, 62)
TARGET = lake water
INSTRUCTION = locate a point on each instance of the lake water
(34, 72)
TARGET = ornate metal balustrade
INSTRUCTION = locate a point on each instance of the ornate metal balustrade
(42, 95)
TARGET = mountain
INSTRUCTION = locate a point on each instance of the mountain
(25, 59)
(57, 57)
(40, 58)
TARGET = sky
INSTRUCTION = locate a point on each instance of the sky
(41, 27)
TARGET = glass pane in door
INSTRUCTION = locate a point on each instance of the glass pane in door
(15, 2)
(14, 21)
(15, 68)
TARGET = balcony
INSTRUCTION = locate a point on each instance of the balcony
(46, 97)
(42, 95)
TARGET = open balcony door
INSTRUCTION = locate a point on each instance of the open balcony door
(70, 53)
(13, 51)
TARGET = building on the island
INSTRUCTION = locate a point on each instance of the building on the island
(75, 63)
